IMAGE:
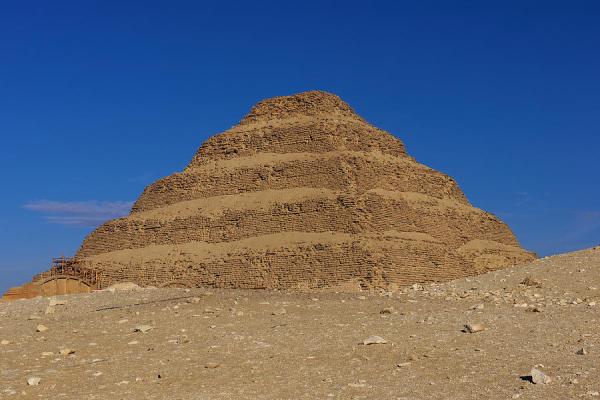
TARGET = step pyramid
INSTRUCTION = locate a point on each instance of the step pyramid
(302, 194)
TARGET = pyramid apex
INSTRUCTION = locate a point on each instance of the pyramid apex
(310, 103)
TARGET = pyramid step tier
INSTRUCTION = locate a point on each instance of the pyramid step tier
(235, 217)
(294, 135)
(337, 170)
(300, 260)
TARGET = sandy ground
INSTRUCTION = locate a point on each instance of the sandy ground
(217, 344)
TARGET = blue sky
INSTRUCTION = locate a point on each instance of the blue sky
(98, 99)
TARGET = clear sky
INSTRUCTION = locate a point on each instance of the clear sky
(100, 98)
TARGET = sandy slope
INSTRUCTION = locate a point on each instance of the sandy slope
(213, 344)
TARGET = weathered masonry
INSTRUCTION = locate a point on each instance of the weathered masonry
(301, 194)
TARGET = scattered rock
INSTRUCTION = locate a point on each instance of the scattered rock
(534, 309)
(41, 328)
(473, 328)
(123, 287)
(194, 300)
(33, 381)
(581, 352)
(539, 378)
(357, 385)
(529, 281)
(374, 339)
(65, 351)
(142, 328)
(393, 288)
(56, 302)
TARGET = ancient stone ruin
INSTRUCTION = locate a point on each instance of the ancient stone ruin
(301, 194)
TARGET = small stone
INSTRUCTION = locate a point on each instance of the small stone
(534, 309)
(403, 365)
(387, 310)
(123, 287)
(529, 281)
(374, 339)
(279, 312)
(473, 328)
(41, 328)
(212, 365)
(393, 287)
(581, 352)
(65, 351)
(142, 328)
(56, 302)
(480, 306)
(4, 342)
(133, 342)
(539, 378)
(33, 381)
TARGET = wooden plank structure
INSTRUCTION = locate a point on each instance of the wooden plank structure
(65, 276)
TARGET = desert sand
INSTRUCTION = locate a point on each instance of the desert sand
(263, 344)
